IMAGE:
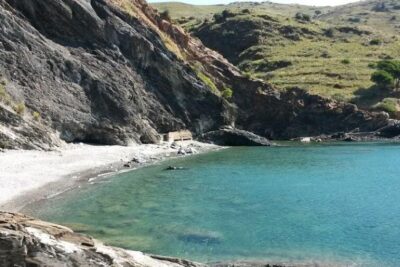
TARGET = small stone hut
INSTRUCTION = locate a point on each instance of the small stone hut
(177, 136)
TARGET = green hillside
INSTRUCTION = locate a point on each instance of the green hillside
(329, 51)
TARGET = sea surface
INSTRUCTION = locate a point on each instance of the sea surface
(330, 204)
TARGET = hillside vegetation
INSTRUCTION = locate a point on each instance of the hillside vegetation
(327, 51)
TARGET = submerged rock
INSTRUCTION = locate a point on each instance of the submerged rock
(174, 168)
(200, 236)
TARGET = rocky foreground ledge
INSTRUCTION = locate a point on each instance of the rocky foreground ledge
(29, 242)
(25, 241)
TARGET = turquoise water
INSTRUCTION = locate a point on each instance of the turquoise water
(329, 204)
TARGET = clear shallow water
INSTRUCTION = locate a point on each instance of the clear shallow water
(328, 203)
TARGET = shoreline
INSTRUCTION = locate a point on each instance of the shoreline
(158, 154)
(29, 176)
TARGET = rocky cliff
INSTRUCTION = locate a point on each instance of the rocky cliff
(116, 72)
(96, 73)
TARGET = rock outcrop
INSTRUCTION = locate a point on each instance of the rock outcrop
(25, 241)
(98, 74)
(17, 132)
(234, 137)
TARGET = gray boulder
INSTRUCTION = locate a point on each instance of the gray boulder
(234, 137)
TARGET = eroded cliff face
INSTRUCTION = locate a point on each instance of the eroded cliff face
(97, 74)
(262, 109)
(115, 72)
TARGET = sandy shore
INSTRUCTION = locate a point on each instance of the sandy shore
(28, 176)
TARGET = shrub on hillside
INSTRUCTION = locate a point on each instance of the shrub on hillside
(227, 93)
(227, 14)
(325, 54)
(302, 17)
(165, 15)
(36, 116)
(388, 104)
(207, 81)
(4, 96)
(375, 42)
(3, 92)
(330, 32)
(345, 61)
(380, 7)
(354, 19)
(218, 18)
(388, 70)
(382, 78)
(338, 97)
(20, 108)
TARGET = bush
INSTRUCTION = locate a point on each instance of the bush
(218, 18)
(165, 15)
(302, 16)
(380, 7)
(227, 93)
(329, 32)
(338, 97)
(4, 96)
(345, 61)
(354, 19)
(325, 54)
(36, 116)
(388, 104)
(375, 42)
(227, 14)
(3, 93)
(248, 75)
(391, 66)
(382, 78)
(20, 108)
(246, 11)
(207, 81)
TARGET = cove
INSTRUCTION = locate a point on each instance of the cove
(331, 203)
